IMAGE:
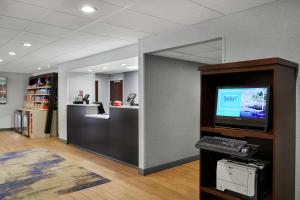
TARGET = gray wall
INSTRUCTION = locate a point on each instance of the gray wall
(104, 90)
(16, 87)
(131, 84)
(172, 109)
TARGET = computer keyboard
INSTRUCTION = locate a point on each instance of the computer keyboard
(221, 144)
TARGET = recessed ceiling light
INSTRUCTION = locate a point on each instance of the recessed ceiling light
(1, 60)
(133, 67)
(104, 67)
(123, 64)
(39, 68)
(12, 53)
(27, 44)
(88, 9)
(48, 65)
(90, 70)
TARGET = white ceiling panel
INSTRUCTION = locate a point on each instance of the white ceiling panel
(6, 36)
(12, 23)
(122, 3)
(65, 20)
(34, 38)
(49, 30)
(59, 31)
(196, 49)
(202, 52)
(161, 26)
(130, 19)
(231, 6)
(73, 7)
(117, 32)
(180, 11)
(20, 10)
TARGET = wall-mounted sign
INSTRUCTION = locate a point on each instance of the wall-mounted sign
(3, 90)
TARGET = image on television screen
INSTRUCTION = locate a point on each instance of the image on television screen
(242, 102)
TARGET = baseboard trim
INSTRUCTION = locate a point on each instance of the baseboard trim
(63, 140)
(6, 129)
(169, 165)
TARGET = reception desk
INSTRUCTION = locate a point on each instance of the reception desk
(114, 135)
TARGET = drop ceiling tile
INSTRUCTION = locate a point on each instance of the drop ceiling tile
(116, 32)
(6, 35)
(197, 49)
(65, 20)
(51, 4)
(130, 19)
(20, 10)
(103, 8)
(161, 26)
(208, 54)
(123, 3)
(180, 11)
(231, 6)
(34, 38)
(49, 30)
(73, 7)
(12, 23)
(87, 38)
(215, 44)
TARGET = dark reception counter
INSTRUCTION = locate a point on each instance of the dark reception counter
(114, 136)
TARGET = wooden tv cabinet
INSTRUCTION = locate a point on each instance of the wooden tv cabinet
(277, 144)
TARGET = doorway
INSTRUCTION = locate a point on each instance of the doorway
(116, 90)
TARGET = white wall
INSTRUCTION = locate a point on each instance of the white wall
(104, 90)
(16, 88)
(78, 82)
(266, 31)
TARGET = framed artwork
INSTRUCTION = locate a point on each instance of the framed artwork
(3, 90)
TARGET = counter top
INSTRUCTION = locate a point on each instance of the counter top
(87, 105)
(98, 116)
(125, 107)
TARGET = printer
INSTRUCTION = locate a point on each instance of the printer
(248, 179)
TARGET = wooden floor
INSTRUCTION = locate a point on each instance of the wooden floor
(178, 183)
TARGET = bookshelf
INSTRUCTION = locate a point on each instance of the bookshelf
(41, 95)
(277, 144)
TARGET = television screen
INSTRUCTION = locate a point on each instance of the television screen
(242, 105)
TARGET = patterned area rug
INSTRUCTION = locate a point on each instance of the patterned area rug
(40, 174)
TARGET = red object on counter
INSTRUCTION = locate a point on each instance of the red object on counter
(117, 103)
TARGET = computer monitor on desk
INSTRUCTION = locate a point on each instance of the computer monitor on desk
(100, 108)
(130, 98)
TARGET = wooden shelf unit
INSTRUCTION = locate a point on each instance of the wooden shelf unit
(276, 145)
(45, 100)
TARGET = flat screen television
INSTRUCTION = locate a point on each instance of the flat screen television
(242, 107)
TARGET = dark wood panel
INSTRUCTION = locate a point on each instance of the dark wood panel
(116, 138)
(277, 144)
(124, 135)
(116, 90)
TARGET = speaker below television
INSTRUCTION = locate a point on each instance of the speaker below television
(242, 107)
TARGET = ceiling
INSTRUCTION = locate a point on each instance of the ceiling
(209, 52)
(60, 32)
(119, 66)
